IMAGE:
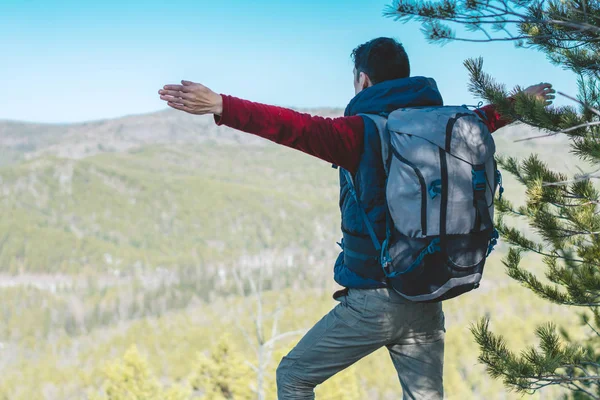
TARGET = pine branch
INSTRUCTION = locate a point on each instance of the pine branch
(563, 210)
(582, 178)
(592, 109)
(587, 392)
(593, 329)
(566, 130)
(533, 370)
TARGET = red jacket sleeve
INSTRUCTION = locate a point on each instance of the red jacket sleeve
(493, 120)
(335, 140)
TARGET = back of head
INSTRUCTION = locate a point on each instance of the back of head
(381, 59)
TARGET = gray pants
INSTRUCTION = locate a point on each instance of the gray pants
(364, 321)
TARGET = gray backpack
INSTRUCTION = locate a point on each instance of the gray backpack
(441, 183)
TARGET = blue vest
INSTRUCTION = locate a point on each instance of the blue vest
(357, 266)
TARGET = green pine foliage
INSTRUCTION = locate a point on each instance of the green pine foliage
(561, 211)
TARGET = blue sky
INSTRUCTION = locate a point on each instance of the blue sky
(69, 61)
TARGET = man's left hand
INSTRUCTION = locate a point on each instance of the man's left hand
(193, 98)
(542, 92)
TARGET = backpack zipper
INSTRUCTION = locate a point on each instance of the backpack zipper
(444, 200)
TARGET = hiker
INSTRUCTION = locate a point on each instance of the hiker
(370, 314)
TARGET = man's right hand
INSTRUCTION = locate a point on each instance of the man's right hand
(193, 98)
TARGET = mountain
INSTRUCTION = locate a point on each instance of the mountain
(22, 140)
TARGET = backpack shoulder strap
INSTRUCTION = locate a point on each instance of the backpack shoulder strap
(361, 210)
(384, 136)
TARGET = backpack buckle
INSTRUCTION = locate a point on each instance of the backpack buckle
(479, 178)
(499, 183)
(434, 246)
(493, 241)
(386, 265)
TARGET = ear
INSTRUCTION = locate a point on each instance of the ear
(364, 81)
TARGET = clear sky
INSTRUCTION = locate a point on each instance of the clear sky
(68, 61)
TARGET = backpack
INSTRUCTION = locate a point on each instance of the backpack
(440, 189)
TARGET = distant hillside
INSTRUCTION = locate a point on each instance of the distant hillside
(23, 140)
(164, 206)
(166, 187)
(160, 189)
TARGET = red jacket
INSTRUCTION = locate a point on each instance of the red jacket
(338, 141)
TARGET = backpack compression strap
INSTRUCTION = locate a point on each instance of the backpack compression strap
(480, 184)
(384, 136)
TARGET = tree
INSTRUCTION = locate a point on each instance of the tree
(223, 374)
(563, 211)
(131, 379)
(262, 343)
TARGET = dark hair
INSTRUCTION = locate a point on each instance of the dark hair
(382, 59)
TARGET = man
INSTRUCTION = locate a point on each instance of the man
(370, 315)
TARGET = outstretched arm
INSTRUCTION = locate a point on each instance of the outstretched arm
(336, 140)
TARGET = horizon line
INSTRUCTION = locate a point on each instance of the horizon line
(145, 113)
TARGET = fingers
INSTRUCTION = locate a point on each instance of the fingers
(179, 88)
(179, 107)
(175, 100)
(175, 93)
(542, 87)
(548, 97)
